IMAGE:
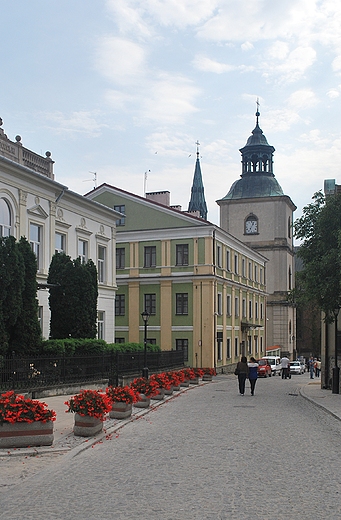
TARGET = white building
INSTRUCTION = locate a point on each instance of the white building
(53, 218)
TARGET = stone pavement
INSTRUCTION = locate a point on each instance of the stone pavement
(65, 441)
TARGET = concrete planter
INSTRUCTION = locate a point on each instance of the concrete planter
(86, 426)
(194, 381)
(120, 410)
(206, 377)
(170, 391)
(23, 434)
(185, 383)
(143, 403)
(160, 395)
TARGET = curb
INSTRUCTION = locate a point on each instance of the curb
(318, 405)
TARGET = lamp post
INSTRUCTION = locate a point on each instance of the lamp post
(336, 369)
(145, 316)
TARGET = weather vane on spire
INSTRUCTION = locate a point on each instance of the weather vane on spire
(198, 144)
(257, 113)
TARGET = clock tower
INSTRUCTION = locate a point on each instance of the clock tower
(256, 211)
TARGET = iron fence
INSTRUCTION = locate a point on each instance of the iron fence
(47, 372)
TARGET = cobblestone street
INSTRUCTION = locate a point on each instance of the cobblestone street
(206, 454)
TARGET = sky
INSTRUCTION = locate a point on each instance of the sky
(124, 88)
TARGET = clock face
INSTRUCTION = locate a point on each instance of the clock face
(251, 226)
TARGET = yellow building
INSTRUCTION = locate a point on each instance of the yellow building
(204, 289)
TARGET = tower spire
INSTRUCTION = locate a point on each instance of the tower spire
(198, 202)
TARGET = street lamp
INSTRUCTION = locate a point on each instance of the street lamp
(145, 316)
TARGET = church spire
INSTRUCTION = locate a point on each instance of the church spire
(198, 202)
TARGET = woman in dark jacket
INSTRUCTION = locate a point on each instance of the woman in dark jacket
(253, 374)
(242, 371)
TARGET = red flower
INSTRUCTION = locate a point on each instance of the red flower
(89, 402)
(148, 387)
(17, 408)
(121, 394)
(162, 380)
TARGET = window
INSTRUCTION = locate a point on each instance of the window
(256, 273)
(5, 219)
(182, 344)
(182, 254)
(250, 309)
(100, 324)
(219, 346)
(236, 264)
(261, 311)
(101, 264)
(244, 308)
(249, 344)
(256, 311)
(120, 258)
(228, 305)
(289, 227)
(236, 353)
(260, 275)
(35, 241)
(40, 317)
(243, 267)
(261, 343)
(120, 305)
(228, 348)
(150, 256)
(120, 209)
(83, 250)
(250, 271)
(219, 256)
(236, 307)
(289, 278)
(182, 303)
(220, 304)
(150, 303)
(120, 340)
(256, 344)
(228, 265)
(60, 243)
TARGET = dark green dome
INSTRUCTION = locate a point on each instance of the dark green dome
(254, 186)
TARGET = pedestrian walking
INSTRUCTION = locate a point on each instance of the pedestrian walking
(285, 362)
(311, 363)
(242, 371)
(253, 373)
(318, 368)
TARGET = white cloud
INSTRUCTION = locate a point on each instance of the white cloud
(333, 93)
(208, 65)
(170, 100)
(247, 46)
(120, 60)
(81, 122)
(302, 99)
(279, 50)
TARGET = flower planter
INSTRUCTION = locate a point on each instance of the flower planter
(143, 403)
(206, 377)
(185, 383)
(86, 426)
(160, 395)
(23, 434)
(120, 410)
(176, 388)
(169, 391)
(194, 381)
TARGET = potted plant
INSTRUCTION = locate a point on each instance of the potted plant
(89, 407)
(176, 378)
(162, 383)
(208, 374)
(24, 422)
(145, 389)
(122, 399)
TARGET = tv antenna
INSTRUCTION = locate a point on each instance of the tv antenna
(94, 179)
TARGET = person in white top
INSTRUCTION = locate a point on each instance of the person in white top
(285, 362)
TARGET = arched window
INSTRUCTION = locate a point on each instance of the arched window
(5, 219)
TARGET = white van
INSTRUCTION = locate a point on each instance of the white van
(275, 363)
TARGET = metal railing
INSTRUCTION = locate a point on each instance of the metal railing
(47, 372)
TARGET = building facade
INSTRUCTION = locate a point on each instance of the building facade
(204, 289)
(55, 219)
(256, 211)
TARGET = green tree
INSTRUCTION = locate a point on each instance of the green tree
(26, 336)
(12, 285)
(73, 304)
(320, 229)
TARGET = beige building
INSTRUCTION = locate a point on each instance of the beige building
(53, 218)
(256, 211)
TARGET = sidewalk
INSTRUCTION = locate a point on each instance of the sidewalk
(322, 398)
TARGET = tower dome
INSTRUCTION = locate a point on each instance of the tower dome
(257, 178)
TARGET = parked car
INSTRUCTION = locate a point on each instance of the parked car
(296, 367)
(264, 368)
(275, 362)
